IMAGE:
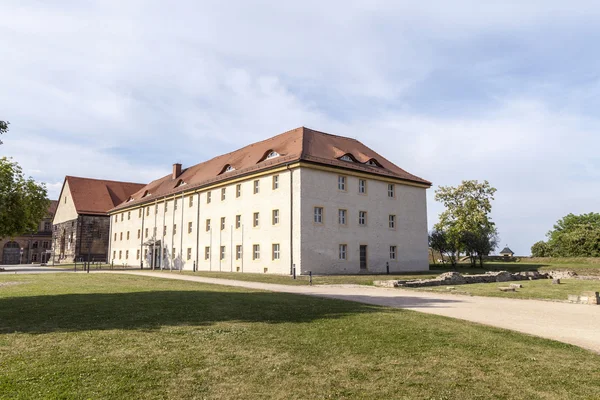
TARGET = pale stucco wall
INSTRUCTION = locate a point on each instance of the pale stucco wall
(320, 242)
(265, 235)
(65, 210)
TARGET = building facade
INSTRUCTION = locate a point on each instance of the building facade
(81, 223)
(304, 199)
(30, 249)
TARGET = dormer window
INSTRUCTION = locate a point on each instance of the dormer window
(180, 183)
(130, 199)
(229, 168)
(373, 163)
(145, 194)
(347, 157)
(272, 154)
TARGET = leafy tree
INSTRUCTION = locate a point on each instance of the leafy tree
(572, 236)
(23, 202)
(466, 218)
(540, 249)
(438, 241)
(3, 128)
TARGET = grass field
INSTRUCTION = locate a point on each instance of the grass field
(542, 289)
(111, 336)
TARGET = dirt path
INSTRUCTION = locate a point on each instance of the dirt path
(569, 323)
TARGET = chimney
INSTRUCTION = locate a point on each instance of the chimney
(176, 170)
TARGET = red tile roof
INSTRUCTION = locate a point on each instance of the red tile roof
(95, 196)
(52, 207)
(300, 144)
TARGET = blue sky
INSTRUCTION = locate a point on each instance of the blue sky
(503, 91)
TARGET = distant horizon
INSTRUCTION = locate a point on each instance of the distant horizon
(502, 92)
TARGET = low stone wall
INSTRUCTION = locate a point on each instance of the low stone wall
(454, 278)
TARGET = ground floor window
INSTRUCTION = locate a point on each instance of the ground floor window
(392, 252)
(256, 252)
(238, 252)
(343, 253)
(207, 252)
(276, 251)
(189, 251)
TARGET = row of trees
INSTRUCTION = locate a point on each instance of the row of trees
(572, 236)
(465, 225)
(23, 202)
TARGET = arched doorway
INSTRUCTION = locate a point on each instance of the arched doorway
(11, 253)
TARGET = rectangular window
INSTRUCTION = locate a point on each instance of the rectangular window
(114, 254)
(174, 229)
(208, 225)
(342, 183)
(256, 252)
(122, 214)
(120, 254)
(175, 205)
(391, 190)
(191, 201)
(116, 216)
(189, 227)
(238, 252)
(256, 220)
(208, 197)
(238, 221)
(222, 223)
(127, 235)
(165, 230)
(362, 186)
(137, 255)
(238, 190)
(275, 182)
(45, 245)
(155, 209)
(140, 213)
(256, 186)
(146, 233)
(174, 253)
(115, 236)
(362, 218)
(189, 253)
(166, 206)
(128, 215)
(223, 193)
(222, 252)
(342, 217)
(34, 245)
(276, 251)
(148, 210)
(207, 253)
(139, 233)
(275, 217)
(127, 254)
(343, 254)
(121, 236)
(392, 222)
(318, 217)
(47, 226)
(392, 252)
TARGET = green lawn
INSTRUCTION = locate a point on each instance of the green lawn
(112, 336)
(541, 289)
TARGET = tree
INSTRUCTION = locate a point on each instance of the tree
(23, 202)
(3, 128)
(572, 236)
(466, 218)
(438, 241)
(540, 249)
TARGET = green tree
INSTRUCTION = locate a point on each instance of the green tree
(466, 219)
(540, 249)
(23, 202)
(3, 128)
(438, 241)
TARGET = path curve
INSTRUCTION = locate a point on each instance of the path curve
(570, 323)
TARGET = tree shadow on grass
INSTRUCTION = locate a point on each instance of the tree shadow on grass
(154, 309)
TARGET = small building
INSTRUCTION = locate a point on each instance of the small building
(81, 223)
(32, 248)
(507, 252)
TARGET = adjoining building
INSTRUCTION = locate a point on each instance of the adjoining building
(81, 222)
(33, 248)
(319, 202)
(507, 252)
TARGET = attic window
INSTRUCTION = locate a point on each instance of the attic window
(346, 157)
(373, 163)
(130, 199)
(272, 154)
(229, 168)
(145, 193)
(180, 183)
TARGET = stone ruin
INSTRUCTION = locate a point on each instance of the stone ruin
(454, 278)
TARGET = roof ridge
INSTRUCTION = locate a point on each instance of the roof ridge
(102, 180)
(331, 134)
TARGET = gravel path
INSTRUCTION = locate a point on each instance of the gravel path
(570, 323)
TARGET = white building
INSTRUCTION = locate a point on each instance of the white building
(319, 202)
